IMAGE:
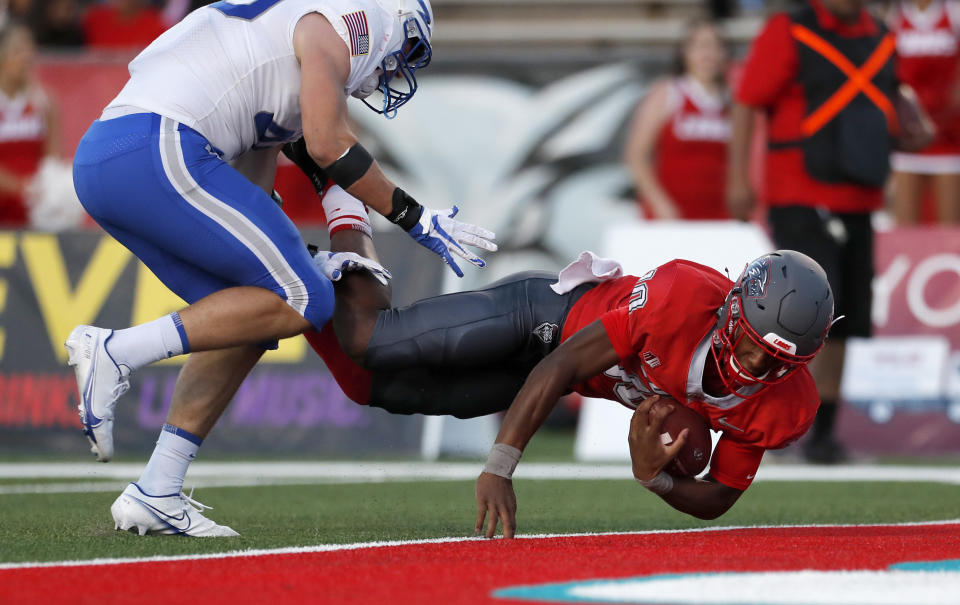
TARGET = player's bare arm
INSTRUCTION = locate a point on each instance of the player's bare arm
(917, 130)
(701, 498)
(647, 123)
(324, 68)
(704, 498)
(586, 353)
(740, 199)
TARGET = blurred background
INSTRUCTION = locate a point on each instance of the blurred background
(562, 125)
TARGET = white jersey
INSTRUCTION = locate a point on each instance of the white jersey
(229, 71)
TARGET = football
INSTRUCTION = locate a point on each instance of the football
(695, 455)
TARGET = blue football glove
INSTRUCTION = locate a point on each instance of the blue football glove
(334, 264)
(438, 232)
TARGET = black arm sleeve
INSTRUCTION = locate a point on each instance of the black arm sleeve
(296, 152)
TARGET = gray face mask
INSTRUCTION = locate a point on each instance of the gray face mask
(369, 85)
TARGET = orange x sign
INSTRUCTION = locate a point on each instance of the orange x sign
(859, 79)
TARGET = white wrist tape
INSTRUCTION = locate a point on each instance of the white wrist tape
(660, 485)
(502, 460)
(343, 211)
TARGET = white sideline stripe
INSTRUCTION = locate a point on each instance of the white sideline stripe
(363, 545)
(240, 474)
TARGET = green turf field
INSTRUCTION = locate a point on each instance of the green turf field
(49, 527)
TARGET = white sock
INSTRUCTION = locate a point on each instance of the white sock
(176, 449)
(144, 344)
(343, 211)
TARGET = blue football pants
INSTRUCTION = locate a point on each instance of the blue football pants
(160, 189)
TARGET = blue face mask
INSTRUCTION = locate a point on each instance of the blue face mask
(398, 81)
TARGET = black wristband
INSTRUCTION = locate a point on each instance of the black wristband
(406, 211)
(350, 167)
(296, 152)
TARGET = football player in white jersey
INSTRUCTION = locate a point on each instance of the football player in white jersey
(179, 169)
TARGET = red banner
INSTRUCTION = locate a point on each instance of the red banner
(917, 285)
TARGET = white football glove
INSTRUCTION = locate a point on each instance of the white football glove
(439, 232)
(334, 264)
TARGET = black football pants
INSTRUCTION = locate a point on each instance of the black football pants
(466, 354)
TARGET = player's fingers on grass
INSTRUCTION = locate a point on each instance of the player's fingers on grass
(481, 513)
(508, 520)
(492, 522)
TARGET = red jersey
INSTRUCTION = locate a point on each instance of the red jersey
(23, 131)
(660, 325)
(770, 81)
(692, 151)
(929, 60)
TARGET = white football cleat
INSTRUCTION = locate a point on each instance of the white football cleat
(100, 382)
(176, 514)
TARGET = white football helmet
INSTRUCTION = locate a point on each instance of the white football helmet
(397, 80)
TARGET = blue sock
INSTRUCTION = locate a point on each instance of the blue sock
(176, 449)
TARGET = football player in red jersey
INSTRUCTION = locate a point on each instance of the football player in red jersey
(735, 353)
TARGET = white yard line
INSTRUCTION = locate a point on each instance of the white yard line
(239, 474)
(363, 545)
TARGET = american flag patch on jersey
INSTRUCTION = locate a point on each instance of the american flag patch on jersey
(359, 33)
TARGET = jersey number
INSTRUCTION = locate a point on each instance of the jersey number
(269, 133)
(249, 9)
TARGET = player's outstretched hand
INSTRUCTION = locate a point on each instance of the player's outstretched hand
(495, 496)
(334, 264)
(647, 451)
(440, 233)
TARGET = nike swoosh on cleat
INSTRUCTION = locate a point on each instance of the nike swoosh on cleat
(89, 418)
(169, 519)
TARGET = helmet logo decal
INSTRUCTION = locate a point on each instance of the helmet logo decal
(359, 33)
(755, 279)
(781, 343)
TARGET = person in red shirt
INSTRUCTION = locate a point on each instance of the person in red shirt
(676, 149)
(122, 25)
(28, 124)
(928, 51)
(735, 353)
(824, 76)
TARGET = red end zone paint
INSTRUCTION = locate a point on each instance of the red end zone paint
(468, 572)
